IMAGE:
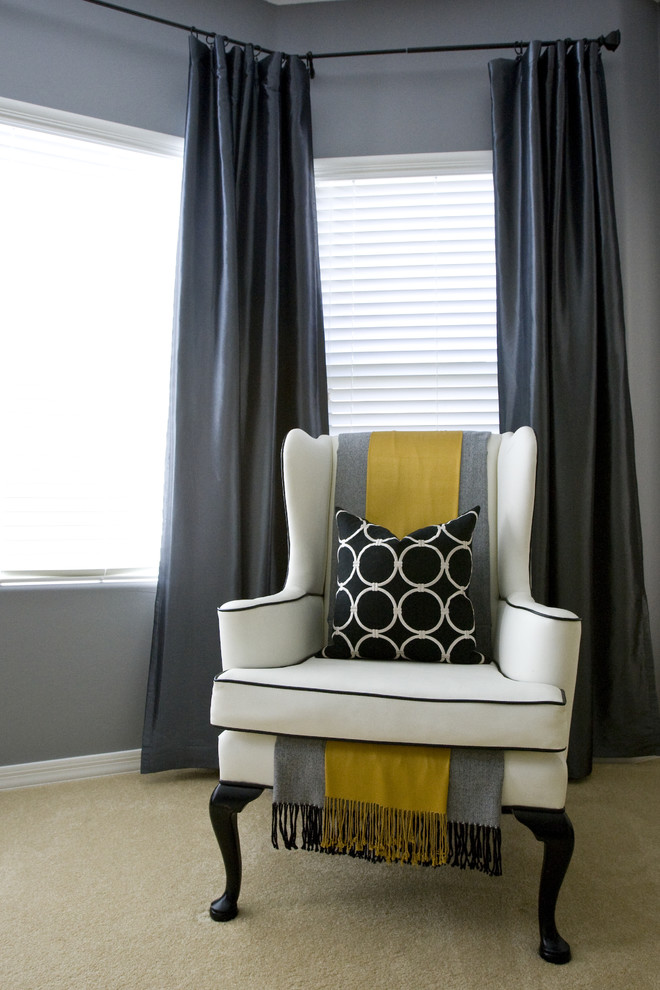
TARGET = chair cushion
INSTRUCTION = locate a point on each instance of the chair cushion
(404, 599)
(390, 701)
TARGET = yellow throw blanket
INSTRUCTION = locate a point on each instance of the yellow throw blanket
(386, 802)
(413, 479)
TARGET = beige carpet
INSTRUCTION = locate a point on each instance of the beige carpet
(106, 884)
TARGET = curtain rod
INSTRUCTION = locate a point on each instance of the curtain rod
(610, 41)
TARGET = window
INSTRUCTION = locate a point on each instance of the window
(87, 253)
(407, 250)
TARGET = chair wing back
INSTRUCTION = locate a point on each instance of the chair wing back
(308, 477)
(516, 483)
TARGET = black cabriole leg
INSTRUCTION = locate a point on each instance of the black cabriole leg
(555, 830)
(226, 802)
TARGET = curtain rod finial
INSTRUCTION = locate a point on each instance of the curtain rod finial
(610, 41)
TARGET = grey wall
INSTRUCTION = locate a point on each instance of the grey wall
(430, 102)
(74, 670)
(74, 662)
(75, 56)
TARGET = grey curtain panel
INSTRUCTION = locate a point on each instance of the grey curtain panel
(562, 369)
(248, 365)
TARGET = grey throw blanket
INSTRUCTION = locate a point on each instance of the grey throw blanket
(473, 803)
(475, 776)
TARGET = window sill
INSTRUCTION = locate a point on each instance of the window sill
(36, 583)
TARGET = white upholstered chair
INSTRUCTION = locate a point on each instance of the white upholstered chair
(275, 683)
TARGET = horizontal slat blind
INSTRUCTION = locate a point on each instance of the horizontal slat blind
(87, 253)
(408, 275)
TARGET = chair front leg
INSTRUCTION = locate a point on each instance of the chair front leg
(226, 802)
(555, 830)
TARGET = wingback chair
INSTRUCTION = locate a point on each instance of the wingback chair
(276, 683)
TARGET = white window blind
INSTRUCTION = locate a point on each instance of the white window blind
(87, 255)
(407, 257)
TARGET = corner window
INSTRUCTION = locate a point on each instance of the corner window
(407, 251)
(87, 251)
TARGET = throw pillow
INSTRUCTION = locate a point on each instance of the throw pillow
(404, 599)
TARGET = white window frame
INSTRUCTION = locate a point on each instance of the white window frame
(342, 382)
(24, 115)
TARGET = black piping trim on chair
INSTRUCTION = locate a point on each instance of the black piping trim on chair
(251, 607)
(396, 742)
(389, 697)
(227, 680)
(544, 615)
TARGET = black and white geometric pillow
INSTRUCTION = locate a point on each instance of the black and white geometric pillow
(404, 599)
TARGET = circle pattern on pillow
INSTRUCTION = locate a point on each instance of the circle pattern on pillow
(404, 599)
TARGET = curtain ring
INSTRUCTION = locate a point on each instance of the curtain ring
(519, 49)
(209, 39)
(309, 59)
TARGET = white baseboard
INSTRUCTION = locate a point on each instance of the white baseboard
(73, 768)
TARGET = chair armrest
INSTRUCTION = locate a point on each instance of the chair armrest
(275, 631)
(534, 642)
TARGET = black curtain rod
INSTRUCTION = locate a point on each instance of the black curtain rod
(610, 41)
(175, 24)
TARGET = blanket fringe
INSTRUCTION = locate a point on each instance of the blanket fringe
(475, 847)
(285, 823)
(393, 835)
(388, 835)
